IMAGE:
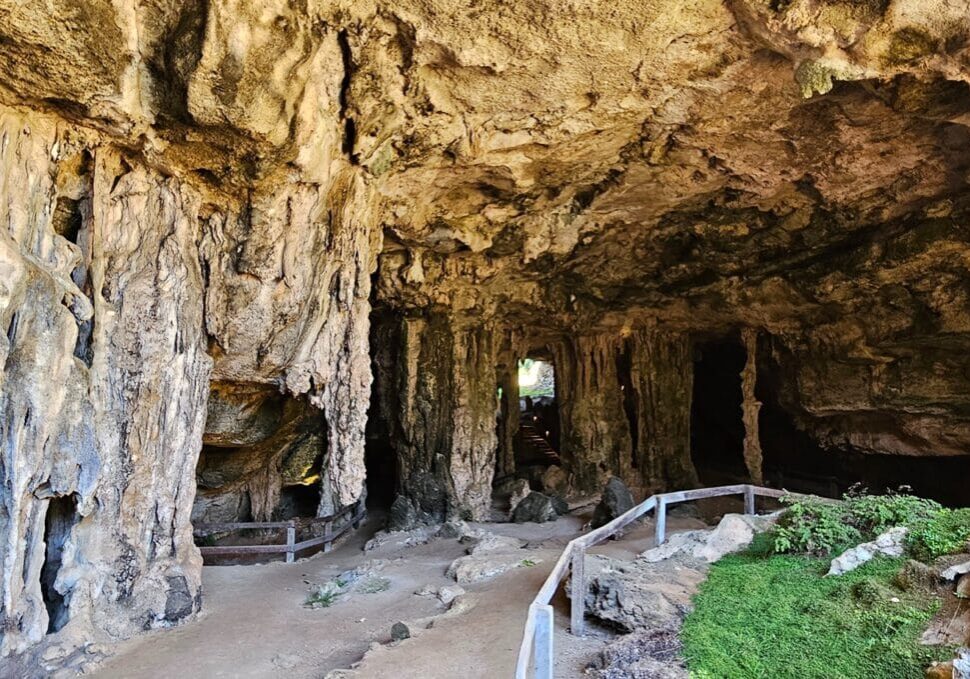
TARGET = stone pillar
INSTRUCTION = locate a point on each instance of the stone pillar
(103, 384)
(595, 437)
(507, 375)
(750, 407)
(662, 375)
(438, 394)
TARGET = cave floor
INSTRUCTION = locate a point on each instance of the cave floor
(254, 623)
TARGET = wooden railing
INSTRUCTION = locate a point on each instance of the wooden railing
(356, 513)
(537, 639)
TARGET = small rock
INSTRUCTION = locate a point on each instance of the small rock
(554, 480)
(490, 542)
(616, 500)
(535, 508)
(961, 666)
(940, 670)
(963, 587)
(560, 505)
(889, 543)
(400, 632)
(448, 593)
(953, 572)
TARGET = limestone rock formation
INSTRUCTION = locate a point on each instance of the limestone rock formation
(204, 206)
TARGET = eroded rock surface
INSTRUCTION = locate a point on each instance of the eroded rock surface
(216, 199)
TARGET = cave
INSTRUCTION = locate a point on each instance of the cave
(60, 519)
(281, 262)
(716, 427)
(537, 439)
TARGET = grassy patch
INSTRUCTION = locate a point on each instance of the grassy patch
(322, 597)
(779, 617)
(946, 532)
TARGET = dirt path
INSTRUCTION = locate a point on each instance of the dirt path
(254, 623)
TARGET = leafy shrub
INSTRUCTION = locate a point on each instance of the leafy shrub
(811, 527)
(821, 528)
(945, 532)
(874, 514)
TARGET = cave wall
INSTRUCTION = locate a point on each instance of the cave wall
(438, 392)
(103, 384)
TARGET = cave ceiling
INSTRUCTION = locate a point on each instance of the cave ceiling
(798, 165)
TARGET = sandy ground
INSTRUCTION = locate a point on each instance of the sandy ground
(254, 623)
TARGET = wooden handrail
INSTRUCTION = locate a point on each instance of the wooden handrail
(356, 510)
(537, 637)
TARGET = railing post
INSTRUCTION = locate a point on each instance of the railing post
(661, 520)
(749, 506)
(327, 532)
(356, 515)
(578, 592)
(290, 541)
(543, 642)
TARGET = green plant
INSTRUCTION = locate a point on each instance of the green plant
(874, 514)
(813, 527)
(780, 617)
(945, 532)
(527, 563)
(817, 527)
(321, 598)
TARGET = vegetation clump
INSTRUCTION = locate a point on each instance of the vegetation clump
(778, 616)
(771, 611)
(819, 527)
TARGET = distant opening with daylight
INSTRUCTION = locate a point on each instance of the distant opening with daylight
(536, 379)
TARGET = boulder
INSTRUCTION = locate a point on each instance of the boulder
(535, 508)
(636, 595)
(616, 500)
(518, 491)
(560, 505)
(483, 542)
(732, 534)
(953, 572)
(403, 515)
(889, 543)
(475, 567)
(961, 666)
(554, 480)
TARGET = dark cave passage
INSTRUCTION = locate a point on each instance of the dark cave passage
(538, 439)
(716, 428)
(61, 517)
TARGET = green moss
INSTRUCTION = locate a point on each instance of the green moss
(780, 617)
(946, 532)
(908, 45)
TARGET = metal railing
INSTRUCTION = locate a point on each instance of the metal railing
(356, 513)
(536, 650)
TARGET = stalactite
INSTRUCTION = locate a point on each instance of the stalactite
(750, 406)
(662, 377)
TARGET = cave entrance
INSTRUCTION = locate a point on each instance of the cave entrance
(60, 519)
(716, 427)
(538, 437)
(380, 460)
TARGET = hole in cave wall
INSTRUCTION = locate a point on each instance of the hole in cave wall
(380, 460)
(794, 459)
(60, 519)
(716, 427)
(538, 438)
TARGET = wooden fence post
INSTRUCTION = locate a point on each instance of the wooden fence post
(290, 541)
(661, 520)
(543, 642)
(749, 506)
(327, 532)
(578, 592)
